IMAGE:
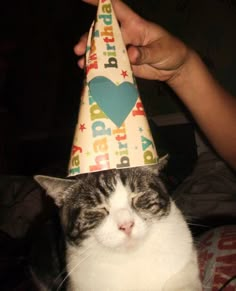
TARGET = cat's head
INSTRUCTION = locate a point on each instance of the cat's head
(115, 207)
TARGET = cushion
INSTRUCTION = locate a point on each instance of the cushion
(217, 258)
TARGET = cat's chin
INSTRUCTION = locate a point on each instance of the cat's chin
(127, 244)
(130, 244)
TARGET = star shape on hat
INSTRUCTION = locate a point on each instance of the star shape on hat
(82, 127)
(124, 74)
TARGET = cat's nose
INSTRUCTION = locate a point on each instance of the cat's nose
(126, 227)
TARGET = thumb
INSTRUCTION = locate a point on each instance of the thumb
(140, 55)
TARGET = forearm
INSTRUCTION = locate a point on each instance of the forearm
(213, 108)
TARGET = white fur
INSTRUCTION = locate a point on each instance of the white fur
(157, 256)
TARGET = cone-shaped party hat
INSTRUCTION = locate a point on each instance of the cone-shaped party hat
(112, 130)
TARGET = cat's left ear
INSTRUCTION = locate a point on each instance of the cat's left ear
(161, 164)
(55, 187)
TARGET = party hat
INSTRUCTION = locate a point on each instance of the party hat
(112, 130)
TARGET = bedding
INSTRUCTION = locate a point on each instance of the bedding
(217, 258)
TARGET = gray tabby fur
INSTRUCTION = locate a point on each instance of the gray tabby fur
(123, 232)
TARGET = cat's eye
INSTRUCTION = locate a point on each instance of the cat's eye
(133, 202)
(146, 203)
(103, 209)
(133, 198)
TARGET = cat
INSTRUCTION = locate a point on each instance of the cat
(123, 232)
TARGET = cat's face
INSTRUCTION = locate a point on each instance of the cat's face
(115, 207)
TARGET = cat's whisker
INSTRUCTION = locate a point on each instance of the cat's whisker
(74, 268)
(89, 246)
(190, 217)
(198, 224)
(58, 276)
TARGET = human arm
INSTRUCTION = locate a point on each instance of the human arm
(213, 108)
(155, 54)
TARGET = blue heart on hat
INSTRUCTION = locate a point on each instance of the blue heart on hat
(116, 101)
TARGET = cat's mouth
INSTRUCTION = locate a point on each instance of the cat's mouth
(125, 243)
(129, 243)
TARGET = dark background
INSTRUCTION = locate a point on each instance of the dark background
(40, 82)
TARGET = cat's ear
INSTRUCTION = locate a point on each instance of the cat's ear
(55, 187)
(161, 164)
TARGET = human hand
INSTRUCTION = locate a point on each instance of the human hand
(153, 52)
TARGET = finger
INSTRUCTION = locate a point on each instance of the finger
(142, 55)
(93, 2)
(123, 13)
(145, 72)
(121, 9)
(80, 47)
(134, 55)
(128, 19)
(153, 53)
(81, 62)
